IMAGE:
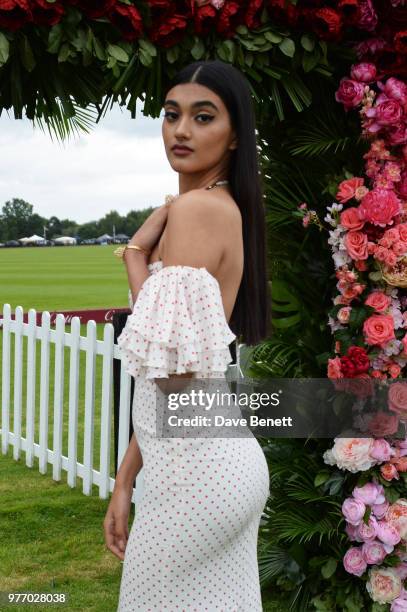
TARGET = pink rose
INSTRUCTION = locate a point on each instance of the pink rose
(354, 562)
(394, 370)
(397, 134)
(400, 248)
(352, 454)
(344, 314)
(353, 510)
(356, 245)
(397, 399)
(387, 533)
(347, 189)
(389, 472)
(404, 341)
(334, 368)
(373, 552)
(379, 510)
(379, 301)
(402, 231)
(367, 531)
(350, 93)
(364, 71)
(378, 329)
(351, 219)
(352, 533)
(388, 113)
(380, 206)
(371, 493)
(396, 89)
(383, 424)
(396, 516)
(381, 450)
(383, 585)
(399, 605)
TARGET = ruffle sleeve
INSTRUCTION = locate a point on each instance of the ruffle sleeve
(177, 325)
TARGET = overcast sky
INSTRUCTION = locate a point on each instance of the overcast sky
(120, 165)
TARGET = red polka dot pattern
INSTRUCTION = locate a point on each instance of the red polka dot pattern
(177, 325)
(193, 544)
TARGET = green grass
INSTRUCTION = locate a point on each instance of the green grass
(62, 278)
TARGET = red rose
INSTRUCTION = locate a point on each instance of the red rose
(228, 19)
(203, 19)
(169, 31)
(360, 359)
(327, 23)
(380, 206)
(44, 13)
(349, 10)
(128, 19)
(400, 42)
(14, 14)
(94, 8)
(281, 12)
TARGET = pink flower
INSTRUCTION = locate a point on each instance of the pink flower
(396, 516)
(394, 370)
(380, 206)
(400, 248)
(381, 450)
(387, 533)
(334, 368)
(397, 134)
(367, 16)
(356, 244)
(350, 93)
(397, 399)
(367, 531)
(389, 472)
(352, 454)
(351, 219)
(396, 89)
(399, 605)
(347, 189)
(364, 71)
(344, 314)
(352, 532)
(383, 585)
(387, 113)
(379, 510)
(402, 231)
(353, 510)
(373, 552)
(353, 561)
(383, 424)
(371, 493)
(378, 329)
(379, 301)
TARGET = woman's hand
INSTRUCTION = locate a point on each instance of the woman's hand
(115, 524)
(150, 232)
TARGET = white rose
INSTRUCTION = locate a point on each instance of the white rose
(383, 585)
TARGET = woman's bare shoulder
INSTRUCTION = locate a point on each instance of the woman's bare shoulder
(207, 205)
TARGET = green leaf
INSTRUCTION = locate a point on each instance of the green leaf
(357, 316)
(99, 49)
(118, 53)
(273, 37)
(4, 49)
(145, 58)
(309, 61)
(320, 478)
(55, 38)
(26, 54)
(367, 514)
(307, 42)
(64, 53)
(329, 568)
(148, 46)
(172, 54)
(198, 49)
(287, 46)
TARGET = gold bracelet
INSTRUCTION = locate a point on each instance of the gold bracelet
(120, 251)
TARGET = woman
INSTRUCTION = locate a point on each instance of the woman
(199, 282)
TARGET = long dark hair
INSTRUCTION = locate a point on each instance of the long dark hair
(250, 316)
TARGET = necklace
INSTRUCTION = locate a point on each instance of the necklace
(169, 197)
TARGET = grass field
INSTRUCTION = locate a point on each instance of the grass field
(56, 278)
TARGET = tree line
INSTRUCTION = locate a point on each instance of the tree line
(18, 220)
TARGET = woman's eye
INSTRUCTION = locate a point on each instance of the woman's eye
(171, 115)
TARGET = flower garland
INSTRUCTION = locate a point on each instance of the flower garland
(368, 238)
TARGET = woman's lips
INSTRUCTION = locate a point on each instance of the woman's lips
(181, 151)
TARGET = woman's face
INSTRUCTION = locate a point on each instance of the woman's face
(194, 116)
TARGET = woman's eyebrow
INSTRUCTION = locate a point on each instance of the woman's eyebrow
(194, 105)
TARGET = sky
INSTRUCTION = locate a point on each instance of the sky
(120, 165)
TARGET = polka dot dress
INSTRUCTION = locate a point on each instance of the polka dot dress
(193, 544)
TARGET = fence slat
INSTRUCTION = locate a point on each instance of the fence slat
(90, 377)
(17, 325)
(5, 377)
(31, 367)
(73, 401)
(106, 415)
(44, 390)
(58, 395)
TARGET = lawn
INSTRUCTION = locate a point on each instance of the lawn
(62, 278)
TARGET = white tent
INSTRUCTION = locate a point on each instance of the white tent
(33, 239)
(65, 240)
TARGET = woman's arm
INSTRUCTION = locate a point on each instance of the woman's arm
(130, 466)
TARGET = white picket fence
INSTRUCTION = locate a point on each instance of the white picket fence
(108, 350)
